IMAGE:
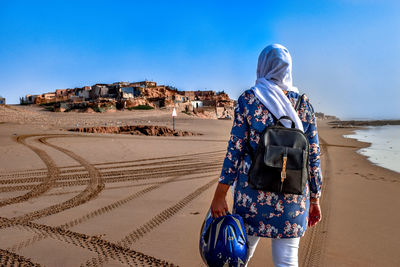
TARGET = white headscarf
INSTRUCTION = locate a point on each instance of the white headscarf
(274, 74)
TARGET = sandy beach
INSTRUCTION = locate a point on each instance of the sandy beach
(77, 199)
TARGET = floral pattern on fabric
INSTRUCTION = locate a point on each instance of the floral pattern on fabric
(268, 214)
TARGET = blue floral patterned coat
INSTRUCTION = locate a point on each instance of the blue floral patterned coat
(268, 214)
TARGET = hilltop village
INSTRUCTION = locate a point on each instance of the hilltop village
(135, 95)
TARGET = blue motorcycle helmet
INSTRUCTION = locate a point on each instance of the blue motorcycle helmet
(223, 241)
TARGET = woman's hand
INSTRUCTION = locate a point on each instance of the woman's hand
(219, 207)
(314, 215)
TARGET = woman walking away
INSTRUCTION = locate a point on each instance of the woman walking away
(281, 217)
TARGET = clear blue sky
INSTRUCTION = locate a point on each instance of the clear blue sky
(345, 52)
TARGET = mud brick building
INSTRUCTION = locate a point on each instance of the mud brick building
(131, 94)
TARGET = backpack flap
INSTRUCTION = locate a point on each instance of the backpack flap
(273, 157)
(285, 170)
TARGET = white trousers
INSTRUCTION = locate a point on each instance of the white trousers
(284, 251)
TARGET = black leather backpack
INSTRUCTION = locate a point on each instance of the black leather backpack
(280, 163)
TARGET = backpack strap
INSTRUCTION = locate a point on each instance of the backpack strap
(296, 108)
(278, 122)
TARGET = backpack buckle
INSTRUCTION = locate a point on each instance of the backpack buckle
(283, 172)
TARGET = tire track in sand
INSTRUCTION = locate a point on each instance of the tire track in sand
(111, 171)
(8, 258)
(92, 243)
(128, 186)
(47, 182)
(313, 243)
(116, 176)
(34, 177)
(4, 176)
(95, 185)
(145, 259)
(205, 167)
(107, 250)
(153, 223)
(105, 209)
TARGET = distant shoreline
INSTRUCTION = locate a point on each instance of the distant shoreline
(383, 145)
(356, 123)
